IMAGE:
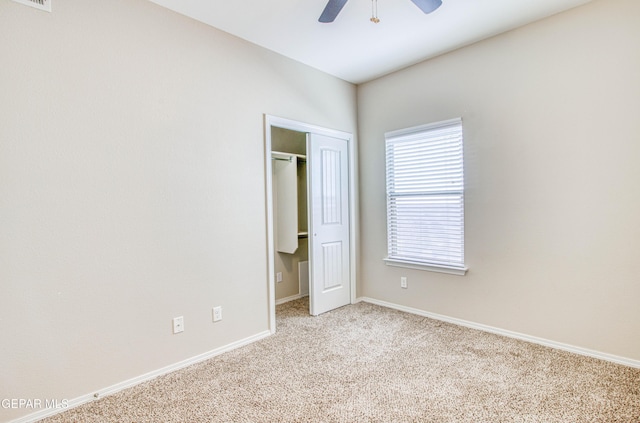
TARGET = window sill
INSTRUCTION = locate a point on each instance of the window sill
(460, 271)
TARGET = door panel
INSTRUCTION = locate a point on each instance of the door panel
(332, 265)
(330, 183)
(327, 158)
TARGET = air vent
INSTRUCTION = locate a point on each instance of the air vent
(38, 4)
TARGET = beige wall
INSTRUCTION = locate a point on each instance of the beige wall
(132, 189)
(552, 153)
(288, 265)
(288, 141)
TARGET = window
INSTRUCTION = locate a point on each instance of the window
(425, 197)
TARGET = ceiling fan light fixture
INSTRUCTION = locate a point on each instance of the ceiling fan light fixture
(374, 12)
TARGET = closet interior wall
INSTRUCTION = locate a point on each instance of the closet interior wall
(288, 141)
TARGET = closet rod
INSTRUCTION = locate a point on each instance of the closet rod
(284, 160)
(301, 157)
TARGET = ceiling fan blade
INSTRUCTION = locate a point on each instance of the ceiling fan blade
(427, 6)
(331, 10)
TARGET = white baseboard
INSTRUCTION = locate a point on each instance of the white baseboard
(533, 339)
(139, 379)
(291, 298)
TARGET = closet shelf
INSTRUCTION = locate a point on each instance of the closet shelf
(283, 155)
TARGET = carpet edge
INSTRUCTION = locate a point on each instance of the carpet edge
(510, 334)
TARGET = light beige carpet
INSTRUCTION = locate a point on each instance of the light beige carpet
(365, 363)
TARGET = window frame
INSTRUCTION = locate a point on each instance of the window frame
(398, 260)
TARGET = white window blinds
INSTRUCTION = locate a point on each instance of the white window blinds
(425, 195)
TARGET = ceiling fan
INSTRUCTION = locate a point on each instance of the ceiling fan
(334, 7)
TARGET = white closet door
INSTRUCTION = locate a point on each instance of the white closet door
(328, 162)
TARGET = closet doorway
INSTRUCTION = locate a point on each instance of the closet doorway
(310, 218)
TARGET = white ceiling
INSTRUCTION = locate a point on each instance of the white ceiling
(352, 47)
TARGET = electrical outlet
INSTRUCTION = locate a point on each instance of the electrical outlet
(178, 324)
(403, 282)
(217, 314)
(279, 277)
